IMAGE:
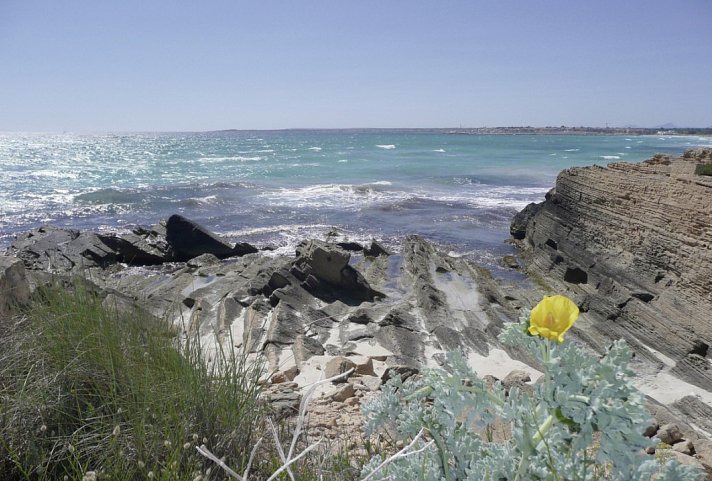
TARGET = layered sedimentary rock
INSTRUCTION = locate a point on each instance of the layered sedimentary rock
(632, 243)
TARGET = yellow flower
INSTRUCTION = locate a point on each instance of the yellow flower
(552, 317)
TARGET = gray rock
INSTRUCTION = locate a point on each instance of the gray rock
(61, 250)
(685, 447)
(404, 372)
(343, 393)
(370, 383)
(652, 429)
(670, 434)
(140, 247)
(282, 399)
(14, 287)
(364, 366)
(203, 260)
(305, 347)
(703, 453)
(325, 272)
(338, 365)
(695, 411)
(515, 377)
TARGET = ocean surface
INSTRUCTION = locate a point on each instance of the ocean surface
(276, 188)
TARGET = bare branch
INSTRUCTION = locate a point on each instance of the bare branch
(402, 453)
(205, 452)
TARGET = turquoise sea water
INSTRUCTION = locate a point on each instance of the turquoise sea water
(275, 188)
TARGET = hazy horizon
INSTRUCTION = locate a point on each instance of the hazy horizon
(164, 67)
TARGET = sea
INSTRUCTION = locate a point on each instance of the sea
(276, 188)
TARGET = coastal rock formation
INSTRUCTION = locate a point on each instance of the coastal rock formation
(57, 250)
(632, 244)
(329, 299)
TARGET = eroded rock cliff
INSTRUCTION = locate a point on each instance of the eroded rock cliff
(632, 243)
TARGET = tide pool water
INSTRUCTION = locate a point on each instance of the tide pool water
(276, 188)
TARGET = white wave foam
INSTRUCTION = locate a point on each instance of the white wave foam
(240, 158)
(510, 197)
(386, 146)
(54, 174)
(343, 161)
(439, 150)
(346, 196)
(207, 200)
(571, 150)
(284, 238)
(610, 157)
(315, 149)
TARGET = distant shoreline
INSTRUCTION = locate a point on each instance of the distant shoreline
(504, 130)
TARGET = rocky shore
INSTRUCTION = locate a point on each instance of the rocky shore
(630, 243)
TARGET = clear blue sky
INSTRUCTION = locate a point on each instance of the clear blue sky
(127, 65)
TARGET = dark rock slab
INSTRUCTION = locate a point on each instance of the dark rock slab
(188, 239)
(375, 249)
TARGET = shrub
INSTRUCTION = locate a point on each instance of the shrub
(703, 169)
(583, 422)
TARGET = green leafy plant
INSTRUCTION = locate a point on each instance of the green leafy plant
(583, 422)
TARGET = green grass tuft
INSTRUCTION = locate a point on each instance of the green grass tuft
(83, 388)
(703, 169)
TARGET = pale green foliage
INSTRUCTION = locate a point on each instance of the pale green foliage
(583, 422)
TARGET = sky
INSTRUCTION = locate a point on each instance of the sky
(175, 65)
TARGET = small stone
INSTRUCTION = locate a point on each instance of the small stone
(510, 262)
(343, 393)
(371, 383)
(684, 447)
(352, 401)
(489, 381)
(652, 429)
(517, 379)
(403, 371)
(364, 366)
(703, 453)
(517, 376)
(650, 450)
(338, 365)
(291, 373)
(203, 260)
(670, 434)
